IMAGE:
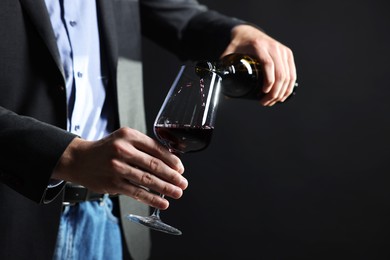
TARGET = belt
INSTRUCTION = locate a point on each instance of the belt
(76, 193)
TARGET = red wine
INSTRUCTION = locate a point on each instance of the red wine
(184, 138)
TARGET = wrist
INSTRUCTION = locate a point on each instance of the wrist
(63, 170)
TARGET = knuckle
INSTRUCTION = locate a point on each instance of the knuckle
(275, 46)
(116, 165)
(253, 43)
(119, 148)
(287, 78)
(175, 178)
(146, 179)
(172, 192)
(290, 53)
(267, 61)
(165, 190)
(160, 148)
(121, 132)
(154, 164)
(138, 193)
(168, 189)
(293, 77)
(129, 133)
(269, 82)
(154, 201)
(281, 76)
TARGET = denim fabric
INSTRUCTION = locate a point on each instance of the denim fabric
(89, 230)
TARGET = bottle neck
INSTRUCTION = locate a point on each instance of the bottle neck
(240, 76)
(219, 68)
(224, 71)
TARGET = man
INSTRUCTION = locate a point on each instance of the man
(72, 117)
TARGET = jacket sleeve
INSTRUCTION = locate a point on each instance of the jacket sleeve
(29, 151)
(187, 28)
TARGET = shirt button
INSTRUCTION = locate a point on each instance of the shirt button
(79, 74)
(77, 127)
(73, 23)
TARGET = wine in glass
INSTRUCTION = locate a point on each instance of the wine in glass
(185, 123)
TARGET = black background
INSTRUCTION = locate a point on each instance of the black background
(308, 179)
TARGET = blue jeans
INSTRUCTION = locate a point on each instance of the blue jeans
(89, 230)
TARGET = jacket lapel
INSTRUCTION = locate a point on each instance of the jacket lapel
(108, 34)
(36, 9)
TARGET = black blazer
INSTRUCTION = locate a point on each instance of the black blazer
(33, 101)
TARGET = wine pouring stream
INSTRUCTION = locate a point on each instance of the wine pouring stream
(185, 122)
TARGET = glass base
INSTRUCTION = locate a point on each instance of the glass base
(155, 223)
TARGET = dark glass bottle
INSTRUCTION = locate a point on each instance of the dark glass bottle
(242, 75)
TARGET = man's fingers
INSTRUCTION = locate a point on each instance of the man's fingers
(143, 195)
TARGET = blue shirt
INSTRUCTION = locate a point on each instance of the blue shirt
(75, 27)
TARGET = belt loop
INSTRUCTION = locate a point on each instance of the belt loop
(87, 195)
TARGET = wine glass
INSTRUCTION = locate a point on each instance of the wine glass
(185, 123)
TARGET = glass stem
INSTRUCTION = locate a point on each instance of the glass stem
(156, 211)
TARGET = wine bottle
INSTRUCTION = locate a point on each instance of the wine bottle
(242, 75)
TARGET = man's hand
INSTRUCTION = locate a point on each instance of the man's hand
(276, 59)
(126, 162)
